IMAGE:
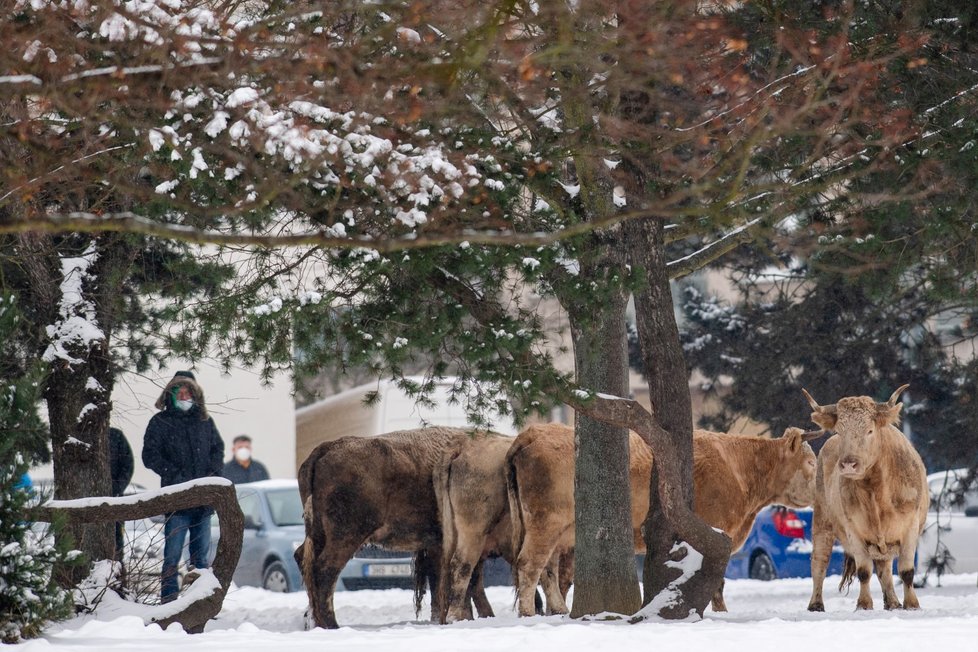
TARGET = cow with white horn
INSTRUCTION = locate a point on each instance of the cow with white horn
(871, 495)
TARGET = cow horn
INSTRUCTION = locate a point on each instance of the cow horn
(811, 401)
(814, 434)
(827, 409)
(896, 395)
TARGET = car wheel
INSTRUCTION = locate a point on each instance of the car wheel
(275, 578)
(762, 568)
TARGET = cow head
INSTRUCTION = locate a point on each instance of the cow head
(859, 421)
(798, 462)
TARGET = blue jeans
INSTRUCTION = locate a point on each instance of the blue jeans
(178, 524)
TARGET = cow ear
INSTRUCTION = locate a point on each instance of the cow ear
(888, 415)
(793, 437)
(824, 419)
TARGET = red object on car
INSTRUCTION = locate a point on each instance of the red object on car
(787, 523)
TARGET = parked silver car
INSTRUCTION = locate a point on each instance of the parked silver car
(951, 534)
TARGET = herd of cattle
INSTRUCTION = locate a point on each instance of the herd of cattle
(454, 497)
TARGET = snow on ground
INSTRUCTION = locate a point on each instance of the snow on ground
(763, 617)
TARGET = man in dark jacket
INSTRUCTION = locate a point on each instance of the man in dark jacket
(120, 468)
(242, 467)
(182, 444)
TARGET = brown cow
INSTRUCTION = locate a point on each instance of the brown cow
(471, 490)
(734, 477)
(358, 490)
(871, 494)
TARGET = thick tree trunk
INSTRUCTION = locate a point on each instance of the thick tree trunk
(604, 572)
(79, 444)
(667, 529)
(79, 386)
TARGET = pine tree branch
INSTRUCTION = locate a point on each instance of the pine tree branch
(129, 222)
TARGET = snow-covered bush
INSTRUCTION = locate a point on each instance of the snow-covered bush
(29, 596)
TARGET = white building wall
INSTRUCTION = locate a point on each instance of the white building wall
(237, 401)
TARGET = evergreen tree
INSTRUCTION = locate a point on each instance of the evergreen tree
(30, 596)
(831, 335)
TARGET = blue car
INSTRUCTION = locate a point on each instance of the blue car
(780, 545)
(273, 529)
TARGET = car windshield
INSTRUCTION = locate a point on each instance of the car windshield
(285, 506)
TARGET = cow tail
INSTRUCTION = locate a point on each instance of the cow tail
(305, 554)
(449, 535)
(848, 573)
(422, 572)
(515, 512)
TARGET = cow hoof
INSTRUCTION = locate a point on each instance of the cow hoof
(864, 606)
(816, 606)
(890, 606)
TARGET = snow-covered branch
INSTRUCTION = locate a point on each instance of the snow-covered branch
(134, 223)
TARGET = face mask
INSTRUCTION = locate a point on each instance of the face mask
(183, 406)
(242, 454)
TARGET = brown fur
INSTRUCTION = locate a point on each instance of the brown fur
(734, 477)
(471, 493)
(871, 494)
(358, 490)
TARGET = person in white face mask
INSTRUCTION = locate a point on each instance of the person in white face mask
(182, 444)
(242, 467)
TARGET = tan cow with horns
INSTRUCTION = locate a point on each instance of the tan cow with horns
(871, 494)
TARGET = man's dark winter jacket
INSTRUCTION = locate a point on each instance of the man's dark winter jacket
(182, 446)
(120, 461)
(238, 474)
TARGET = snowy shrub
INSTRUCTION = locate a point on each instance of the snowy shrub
(29, 596)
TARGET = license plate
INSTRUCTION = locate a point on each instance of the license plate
(387, 570)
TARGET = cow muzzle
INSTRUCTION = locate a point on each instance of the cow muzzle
(850, 466)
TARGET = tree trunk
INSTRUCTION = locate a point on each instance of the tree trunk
(671, 485)
(604, 572)
(80, 450)
(79, 386)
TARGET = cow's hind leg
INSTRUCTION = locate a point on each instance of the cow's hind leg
(884, 573)
(718, 602)
(477, 592)
(459, 575)
(533, 558)
(326, 572)
(565, 576)
(823, 537)
(550, 580)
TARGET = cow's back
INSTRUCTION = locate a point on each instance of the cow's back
(541, 462)
(386, 481)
